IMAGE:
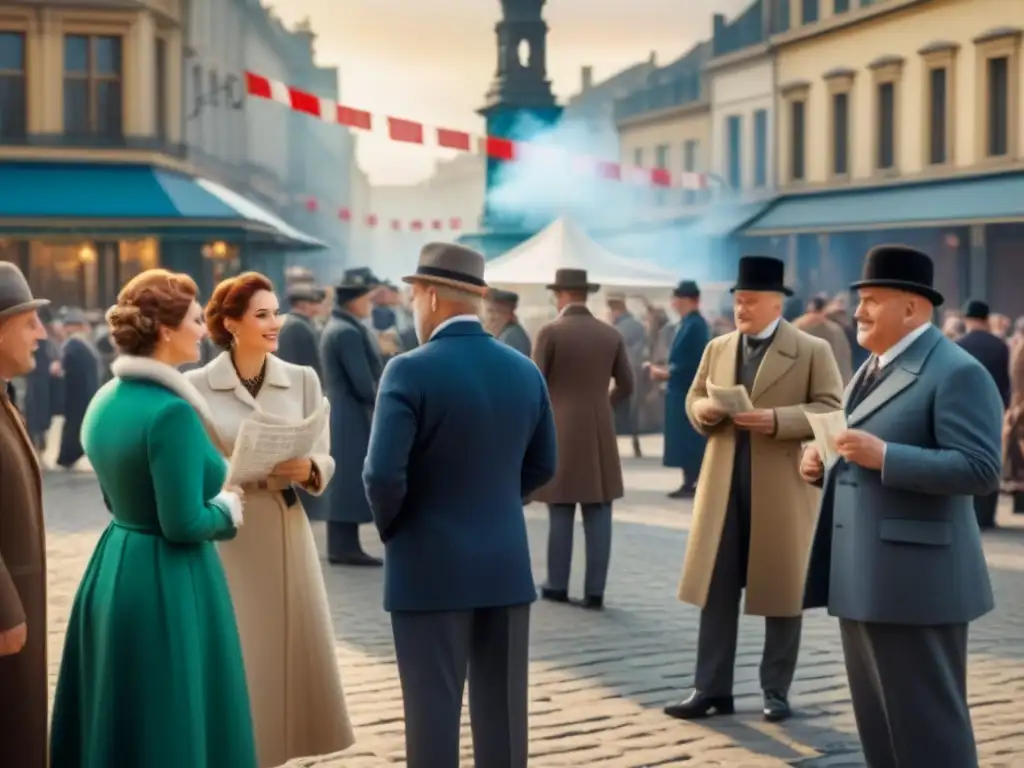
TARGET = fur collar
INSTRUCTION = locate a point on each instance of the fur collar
(146, 368)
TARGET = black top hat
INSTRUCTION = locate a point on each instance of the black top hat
(761, 273)
(573, 280)
(450, 264)
(687, 289)
(976, 310)
(900, 267)
(508, 298)
(354, 283)
(15, 295)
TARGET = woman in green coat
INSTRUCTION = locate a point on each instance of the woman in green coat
(152, 673)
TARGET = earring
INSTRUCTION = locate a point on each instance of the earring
(167, 337)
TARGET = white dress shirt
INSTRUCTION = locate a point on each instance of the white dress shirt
(767, 332)
(901, 346)
(453, 320)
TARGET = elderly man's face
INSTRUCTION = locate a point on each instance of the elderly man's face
(19, 338)
(756, 310)
(884, 316)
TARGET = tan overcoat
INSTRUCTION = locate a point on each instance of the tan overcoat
(277, 587)
(24, 685)
(579, 356)
(798, 370)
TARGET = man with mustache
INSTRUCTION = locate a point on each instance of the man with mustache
(753, 518)
(897, 556)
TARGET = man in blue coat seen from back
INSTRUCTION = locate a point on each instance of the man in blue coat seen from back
(684, 446)
(462, 434)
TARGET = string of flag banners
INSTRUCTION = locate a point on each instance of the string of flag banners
(407, 131)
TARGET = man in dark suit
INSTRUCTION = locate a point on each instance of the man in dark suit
(352, 369)
(994, 355)
(463, 432)
(299, 339)
(501, 310)
(684, 446)
(897, 554)
(81, 364)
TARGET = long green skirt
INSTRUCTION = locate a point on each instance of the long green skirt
(152, 673)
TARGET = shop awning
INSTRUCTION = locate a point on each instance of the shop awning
(92, 198)
(976, 200)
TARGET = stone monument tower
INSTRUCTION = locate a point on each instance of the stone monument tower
(520, 97)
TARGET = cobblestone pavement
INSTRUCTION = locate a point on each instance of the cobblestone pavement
(599, 680)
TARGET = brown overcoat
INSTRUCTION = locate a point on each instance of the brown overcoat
(579, 356)
(23, 676)
(798, 371)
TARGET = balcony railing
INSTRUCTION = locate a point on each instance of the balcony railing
(674, 93)
(94, 141)
(745, 31)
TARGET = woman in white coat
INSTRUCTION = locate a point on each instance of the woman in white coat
(273, 569)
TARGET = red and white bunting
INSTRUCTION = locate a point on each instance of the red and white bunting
(414, 132)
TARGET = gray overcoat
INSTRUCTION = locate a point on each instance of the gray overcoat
(352, 370)
(299, 343)
(902, 546)
(515, 336)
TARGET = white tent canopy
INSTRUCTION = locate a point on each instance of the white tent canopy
(563, 245)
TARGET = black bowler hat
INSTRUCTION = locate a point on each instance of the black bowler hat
(355, 283)
(761, 273)
(687, 289)
(506, 298)
(900, 267)
(976, 310)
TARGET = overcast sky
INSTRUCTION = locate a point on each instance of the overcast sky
(433, 61)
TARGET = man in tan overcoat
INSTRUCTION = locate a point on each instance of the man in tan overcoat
(23, 674)
(753, 518)
(579, 355)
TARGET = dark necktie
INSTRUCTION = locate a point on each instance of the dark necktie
(754, 345)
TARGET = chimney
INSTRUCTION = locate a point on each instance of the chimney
(653, 58)
(586, 78)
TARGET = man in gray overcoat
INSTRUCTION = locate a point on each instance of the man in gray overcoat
(352, 370)
(633, 331)
(299, 339)
(502, 320)
(897, 556)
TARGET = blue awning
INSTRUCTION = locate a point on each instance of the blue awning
(977, 200)
(725, 218)
(123, 199)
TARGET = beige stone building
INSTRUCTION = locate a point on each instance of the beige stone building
(901, 120)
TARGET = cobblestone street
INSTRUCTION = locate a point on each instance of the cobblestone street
(599, 680)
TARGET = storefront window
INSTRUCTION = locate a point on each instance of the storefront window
(16, 252)
(137, 256)
(222, 260)
(65, 273)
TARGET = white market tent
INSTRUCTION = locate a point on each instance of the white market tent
(531, 265)
(563, 245)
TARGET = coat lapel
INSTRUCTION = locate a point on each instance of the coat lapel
(907, 367)
(778, 359)
(724, 374)
(221, 376)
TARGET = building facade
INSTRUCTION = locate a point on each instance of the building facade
(741, 88)
(666, 124)
(902, 120)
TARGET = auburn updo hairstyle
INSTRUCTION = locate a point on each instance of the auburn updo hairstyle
(230, 300)
(151, 300)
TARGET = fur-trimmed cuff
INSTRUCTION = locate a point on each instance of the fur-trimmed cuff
(232, 504)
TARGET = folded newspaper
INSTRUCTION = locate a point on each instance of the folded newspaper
(826, 427)
(732, 400)
(265, 440)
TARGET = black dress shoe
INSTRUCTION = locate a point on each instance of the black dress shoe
(554, 595)
(593, 602)
(698, 706)
(683, 492)
(776, 707)
(356, 558)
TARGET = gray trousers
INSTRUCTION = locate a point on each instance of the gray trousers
(909, 689)
(597, 533)
(719, 626)
(435, 651)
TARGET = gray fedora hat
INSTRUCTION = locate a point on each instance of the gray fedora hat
(450, 264)
(15, 295)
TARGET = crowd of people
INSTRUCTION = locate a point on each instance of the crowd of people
(201, 632)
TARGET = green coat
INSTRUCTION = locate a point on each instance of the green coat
(152, 673)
